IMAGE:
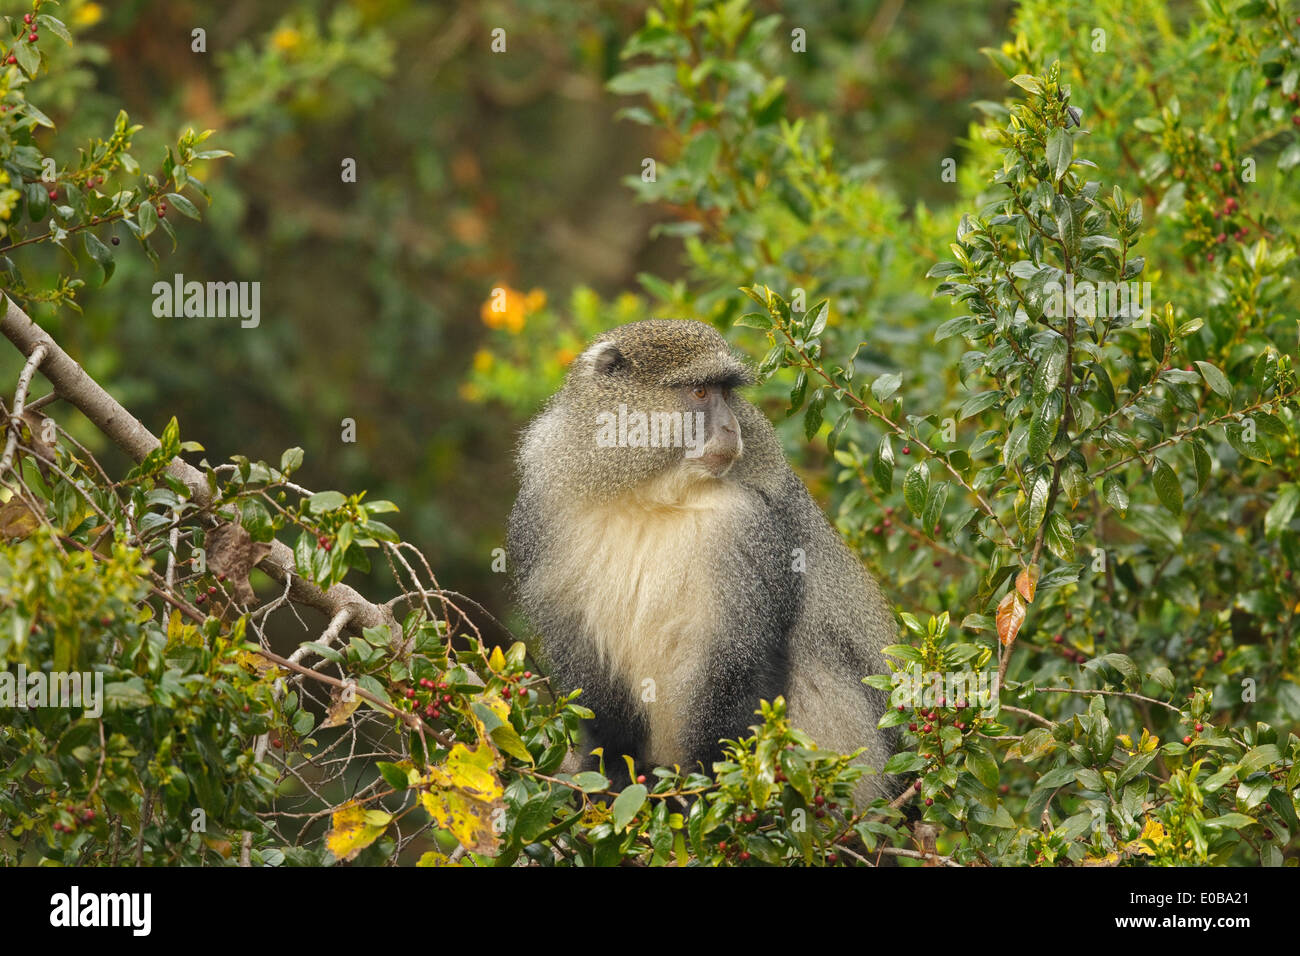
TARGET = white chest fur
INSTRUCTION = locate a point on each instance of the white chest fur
(640, 573)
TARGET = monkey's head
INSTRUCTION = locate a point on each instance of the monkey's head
(645, 401)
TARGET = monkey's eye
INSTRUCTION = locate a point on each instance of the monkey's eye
(701, 392)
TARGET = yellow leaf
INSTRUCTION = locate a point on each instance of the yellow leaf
(464, 796)
(352, 831)
(341, 707)
(434, 858)
(497, 661)
(16, 519)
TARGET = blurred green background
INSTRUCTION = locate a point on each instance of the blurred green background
(475, 169)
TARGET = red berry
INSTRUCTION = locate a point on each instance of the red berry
(1230, 205)
(27, 18)
(277, 743)
(1218, 656)
(1004, 789)
(937, 562)
(12, 60)
(1057, 638)
(505, 692)
(212, 589)
(819, 800)
(722, 846)
(436, 713)
(1209, 257)
(200, 599)
(929, 801)
(410, 692)
(1199, 728)
(640, 778)
(246, 708)
(832, 858)
(528, 675)
(907, 449)
(927, 728)
(88, 816)
(901, 708)
(1187, 740)
(1221, 238)
(1296, 119)
(32, 38)
(744, 855)
(1218, 166)
(918, 785)
(912, 727)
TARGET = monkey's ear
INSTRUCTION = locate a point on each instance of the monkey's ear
(605, 358)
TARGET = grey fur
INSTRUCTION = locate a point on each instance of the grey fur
(600, 537)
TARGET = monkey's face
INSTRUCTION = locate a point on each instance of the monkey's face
(720, 443)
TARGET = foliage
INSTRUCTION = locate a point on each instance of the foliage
(1104, 499)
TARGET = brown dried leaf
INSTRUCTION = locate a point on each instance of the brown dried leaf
(232, 552)
(1027, 582)
(1011, 614)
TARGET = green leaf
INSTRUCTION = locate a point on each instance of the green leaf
(1043, 426)
(958, 326)
(290, 459)
(1215, 379)
(55, 26)
(627, 804)
(183, 206)
(1236, 435)
(1203, 463)
(812, 419)
(1059, 538)
(1115, 494)
(1168, 488)
(977, 403)
(1051, 363)
(1060, 151)
(984, 767)
(820, 312)
(1067, 225)
(590, 781)
(393, 775)
(934, 505)
(147, 218)
(324, 501)
(886, 385)
(99, 252)
(1283, 509)
(882, 465)
(755, 320)
(1027, 82)
(28, 57)
(916, 486)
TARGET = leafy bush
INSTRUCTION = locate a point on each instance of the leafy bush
(1086, 516)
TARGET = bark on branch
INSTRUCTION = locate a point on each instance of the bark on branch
(73, 385)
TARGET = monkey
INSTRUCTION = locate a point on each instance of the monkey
(677, 570)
